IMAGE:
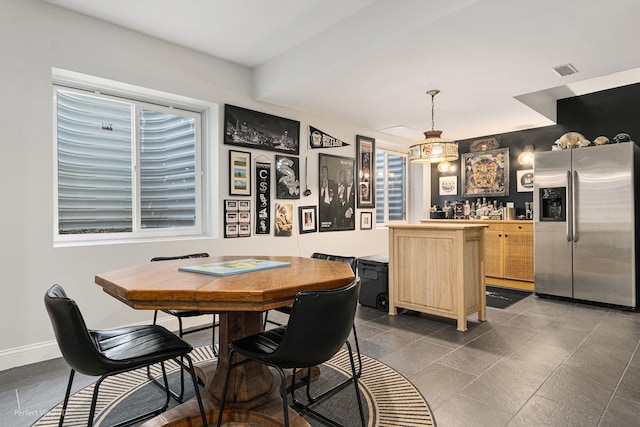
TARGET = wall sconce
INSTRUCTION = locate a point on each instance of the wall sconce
(526, 157)
(446, 167)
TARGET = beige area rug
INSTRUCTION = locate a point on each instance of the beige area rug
(389, 399)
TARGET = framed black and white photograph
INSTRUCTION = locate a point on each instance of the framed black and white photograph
(448, 185)
(366, 220)
(287, 177)
(248, 128)
(244, 230)
(239, 173)
(365, 155)
(243, 217)
(337, 204)
(307, 219)
(525, 181)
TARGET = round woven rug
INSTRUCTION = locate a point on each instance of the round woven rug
(388, 398)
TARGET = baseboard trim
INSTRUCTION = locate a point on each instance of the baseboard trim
(507, 283)
(28, 354)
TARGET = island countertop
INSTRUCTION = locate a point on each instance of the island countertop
(439, 223)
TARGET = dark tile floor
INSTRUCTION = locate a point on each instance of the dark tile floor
(539, 362)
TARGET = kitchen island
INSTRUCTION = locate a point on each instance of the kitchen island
(438, 269)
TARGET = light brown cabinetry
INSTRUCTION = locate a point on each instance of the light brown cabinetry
(508, 252)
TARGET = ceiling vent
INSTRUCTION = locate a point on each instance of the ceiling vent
(564, 70)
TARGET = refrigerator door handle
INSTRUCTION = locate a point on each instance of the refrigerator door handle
(574, 208)
(569, 223)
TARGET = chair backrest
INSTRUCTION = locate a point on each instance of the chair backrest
(348, 259)
(319, 324)
(168, 258)
(74, 339)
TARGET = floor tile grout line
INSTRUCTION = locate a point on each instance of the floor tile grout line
(559, 365)
(516, 349)
(626, 368)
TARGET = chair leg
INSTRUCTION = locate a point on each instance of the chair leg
(66, 397)
(180, 334)
(134, 420)
(224, 388)
(354, 378)
(176, 396)
(194, 379)
(155, 319)
(343, 384)
(94, 401)
(283, 392)
(266, 320)
(355, 340)
(355, 383)
(216, 324)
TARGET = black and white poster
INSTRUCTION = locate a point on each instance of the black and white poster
(263, 193)
(287, 177)
(248, 128)
(319, 139)
(337, 202)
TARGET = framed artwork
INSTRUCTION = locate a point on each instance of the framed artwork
(486, 173)
(237, 218)
(525, 180)
(239, 173)
(337, 205)
(284, 219)
(287, 177)
(366, 220)
(248, 128)
(307, 219)
(365, 155)
(448, 185)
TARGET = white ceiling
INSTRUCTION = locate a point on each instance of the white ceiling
(371, 62)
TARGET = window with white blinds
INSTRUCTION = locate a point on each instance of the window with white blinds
(391, 186)
(125, 167)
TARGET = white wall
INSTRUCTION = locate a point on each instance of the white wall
(37, 37)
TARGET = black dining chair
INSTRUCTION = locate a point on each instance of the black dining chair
(319, 326)
(287, 309)
(182, 314)
(105, 353)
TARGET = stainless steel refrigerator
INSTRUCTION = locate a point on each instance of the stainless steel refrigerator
(585, 223)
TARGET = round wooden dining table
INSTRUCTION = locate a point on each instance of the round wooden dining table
(240, 299)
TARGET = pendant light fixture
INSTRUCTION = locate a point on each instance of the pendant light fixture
(433, 149)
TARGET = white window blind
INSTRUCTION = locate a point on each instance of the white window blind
(167, 170)
(125, 166)
(391, 186)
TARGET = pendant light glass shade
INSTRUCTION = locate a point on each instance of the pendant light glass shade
(433, 149)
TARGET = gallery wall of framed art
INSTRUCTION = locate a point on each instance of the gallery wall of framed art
(270, 173)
